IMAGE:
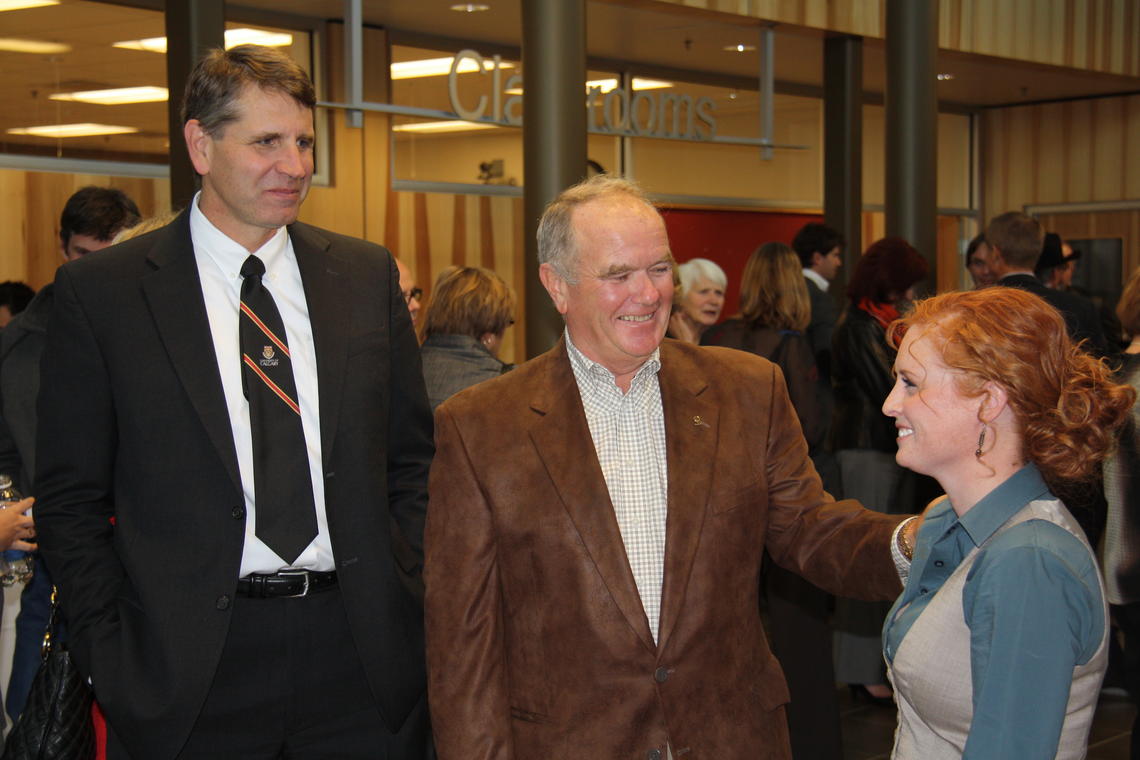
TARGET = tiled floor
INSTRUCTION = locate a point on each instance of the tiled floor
(869, 730)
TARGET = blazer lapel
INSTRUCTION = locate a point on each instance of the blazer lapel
(321, 273)
(173, 292)
(562, 437)
(691, 434)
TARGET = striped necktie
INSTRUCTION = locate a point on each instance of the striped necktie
(283, 489)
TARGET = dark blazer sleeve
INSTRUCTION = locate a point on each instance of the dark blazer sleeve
(75, 466)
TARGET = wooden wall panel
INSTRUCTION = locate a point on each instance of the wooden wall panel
(29, 224)
(1074, 152)
(1100, 35)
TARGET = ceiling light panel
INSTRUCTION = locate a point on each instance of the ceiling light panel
(35, 47)
(115, 97)
(234, 37)
(18, 5)
(86, 129)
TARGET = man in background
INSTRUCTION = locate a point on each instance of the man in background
(89, 222)
(409, 290)
(820, 249)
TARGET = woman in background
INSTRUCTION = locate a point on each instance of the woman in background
(470, 310)
(998, 644)
(775, 310)
(698, 303)
(864, 440)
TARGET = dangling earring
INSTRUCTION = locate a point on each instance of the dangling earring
(981, 442)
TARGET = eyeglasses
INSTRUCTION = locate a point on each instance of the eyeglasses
(415, 294)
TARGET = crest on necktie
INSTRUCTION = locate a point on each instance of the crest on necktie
(269, 357)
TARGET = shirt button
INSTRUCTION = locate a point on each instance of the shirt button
(922, 590)
(661, 675)
(223, 602)
(653, 754)
(238, 513)
(938, 563)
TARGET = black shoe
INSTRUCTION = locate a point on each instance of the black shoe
(859, 691)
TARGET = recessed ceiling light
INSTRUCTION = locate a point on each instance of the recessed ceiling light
(638, 84)
(442, 126)
(115, 97)
(435, 67)
(470, 7)
(16, 5)
(234, 37)
(36, 47)
(73, 130)
(944, 77)
(739, 48)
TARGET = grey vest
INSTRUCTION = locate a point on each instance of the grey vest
(931, 670)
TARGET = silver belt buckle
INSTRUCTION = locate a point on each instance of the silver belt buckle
(302, 573)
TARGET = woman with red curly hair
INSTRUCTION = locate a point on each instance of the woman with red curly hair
(998, 644)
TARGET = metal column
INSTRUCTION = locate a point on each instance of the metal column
(192, 28)
(912, 126)
(554, 135)
(843, 146)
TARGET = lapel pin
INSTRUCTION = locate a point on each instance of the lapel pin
(699, 422)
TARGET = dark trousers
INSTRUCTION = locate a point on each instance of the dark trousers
(290, 685)
(1127, 618)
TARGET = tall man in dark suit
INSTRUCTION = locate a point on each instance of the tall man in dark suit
(598, 520)
(233, 433)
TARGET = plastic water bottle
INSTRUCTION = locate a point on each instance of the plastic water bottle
(16, 565)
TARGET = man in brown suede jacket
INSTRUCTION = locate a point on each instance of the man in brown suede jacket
(597, 521)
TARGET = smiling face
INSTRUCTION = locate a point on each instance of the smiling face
(618, 308)
(255, 170)
(938, 427)
(702, 303)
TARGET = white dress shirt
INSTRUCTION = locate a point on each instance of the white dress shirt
(629, 437)
(818, 279)
(219, 260)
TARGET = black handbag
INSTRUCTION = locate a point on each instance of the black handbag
(56, 723)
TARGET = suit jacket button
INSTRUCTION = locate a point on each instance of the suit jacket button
(661, 675)
(238, 512)
(653, 754)
(223, 602)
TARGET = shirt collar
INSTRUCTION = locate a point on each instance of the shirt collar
(818, 279)
(589, 372)
(996, 507)
(227, 253)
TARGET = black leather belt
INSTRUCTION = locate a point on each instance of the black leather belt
(286, 583)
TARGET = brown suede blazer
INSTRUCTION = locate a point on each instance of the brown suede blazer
(538, 647)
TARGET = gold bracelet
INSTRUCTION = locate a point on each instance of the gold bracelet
(904, 543)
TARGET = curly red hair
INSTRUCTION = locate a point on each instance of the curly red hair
(1066, 401)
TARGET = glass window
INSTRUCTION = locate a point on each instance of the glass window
(87, 80)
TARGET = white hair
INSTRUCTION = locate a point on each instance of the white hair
(695, 270)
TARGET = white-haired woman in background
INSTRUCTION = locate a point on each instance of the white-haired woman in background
(698, 303)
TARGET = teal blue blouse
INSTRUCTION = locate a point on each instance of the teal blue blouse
(1032, 602)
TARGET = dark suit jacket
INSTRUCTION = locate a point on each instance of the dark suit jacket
(1080, 314)
(823, 317)
(21, 343)
(538, 646)
(140, 510)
